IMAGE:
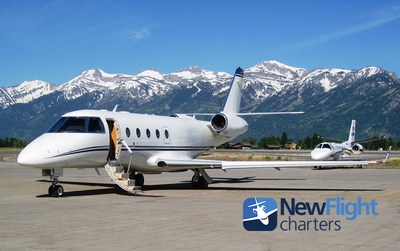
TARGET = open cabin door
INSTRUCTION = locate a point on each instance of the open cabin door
(117, 172)
(114, 139)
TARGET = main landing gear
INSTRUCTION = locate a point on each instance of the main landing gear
(198, 181)
(139, 178)
(54, 189)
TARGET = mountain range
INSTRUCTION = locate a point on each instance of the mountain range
(329, 97)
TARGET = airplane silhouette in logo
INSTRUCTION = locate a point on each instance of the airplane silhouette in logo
(260, 211)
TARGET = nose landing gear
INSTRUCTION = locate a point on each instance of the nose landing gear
(54, 189)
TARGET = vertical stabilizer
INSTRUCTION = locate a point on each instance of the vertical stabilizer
(232, 104)
(352, 134)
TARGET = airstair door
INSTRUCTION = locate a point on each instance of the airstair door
(115, 140)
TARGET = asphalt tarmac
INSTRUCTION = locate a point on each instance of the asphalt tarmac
(169, 214)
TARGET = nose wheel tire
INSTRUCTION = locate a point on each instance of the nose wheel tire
(51, 189)
(56, 191)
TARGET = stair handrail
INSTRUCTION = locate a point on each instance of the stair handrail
(130, 151)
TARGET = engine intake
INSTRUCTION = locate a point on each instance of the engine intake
(219, 122)
(357, 148)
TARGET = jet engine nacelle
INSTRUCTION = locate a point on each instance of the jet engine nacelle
(228, 124)
(357, 148)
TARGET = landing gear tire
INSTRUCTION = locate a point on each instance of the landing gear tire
(58, 191)
(51, 190)
(139, 180)
(198, 182)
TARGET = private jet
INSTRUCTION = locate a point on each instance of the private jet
(129, 145)
(337, 151)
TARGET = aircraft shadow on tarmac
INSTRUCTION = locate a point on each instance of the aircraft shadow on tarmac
(185, 185)
(111, 189)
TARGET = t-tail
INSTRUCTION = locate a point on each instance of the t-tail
(228, 123)
(352, 134)
(232, 103)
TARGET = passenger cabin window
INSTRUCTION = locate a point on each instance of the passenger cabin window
(138, 132)
(128, 132)
(148, 133)
(78, 125)
(166, 134)
(157, 133)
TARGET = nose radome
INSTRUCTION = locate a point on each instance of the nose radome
(22, 158)
(26, 158)
(316, 155)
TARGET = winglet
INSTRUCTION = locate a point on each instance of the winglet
(115, 108)
(387, 156)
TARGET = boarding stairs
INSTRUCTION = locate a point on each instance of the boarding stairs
(120, 177)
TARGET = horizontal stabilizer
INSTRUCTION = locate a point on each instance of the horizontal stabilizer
(367, 140)
(265, 113)
(246, 113)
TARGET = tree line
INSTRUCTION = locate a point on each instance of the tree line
(310, 142)
(13, 142)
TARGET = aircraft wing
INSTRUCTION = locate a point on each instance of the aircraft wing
(251, 219)
(257, 217)
(365, 157)
(175, 164)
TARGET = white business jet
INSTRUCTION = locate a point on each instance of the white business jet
(260, 212)
(338, 151)
(129, 145)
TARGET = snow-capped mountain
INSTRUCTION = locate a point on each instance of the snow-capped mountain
(261, 81)
(24, 92)
(323, 94)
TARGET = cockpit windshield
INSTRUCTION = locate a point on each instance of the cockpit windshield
(326, 146)
(323, 146)
(78, 125)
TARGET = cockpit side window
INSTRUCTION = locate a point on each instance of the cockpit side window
(78, 125)
(318, 146)
(95, 125)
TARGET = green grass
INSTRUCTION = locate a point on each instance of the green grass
(9, 149)
(394, 163)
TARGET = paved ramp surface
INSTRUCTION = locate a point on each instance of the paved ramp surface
(95, 214)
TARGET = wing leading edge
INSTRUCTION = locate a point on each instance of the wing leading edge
(224, 165)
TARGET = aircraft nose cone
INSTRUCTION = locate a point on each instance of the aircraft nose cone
(317, 155)
(25, 158)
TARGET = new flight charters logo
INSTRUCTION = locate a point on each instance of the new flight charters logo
(260, 214)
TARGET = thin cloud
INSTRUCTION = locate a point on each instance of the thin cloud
(140, 34)
(380, 19)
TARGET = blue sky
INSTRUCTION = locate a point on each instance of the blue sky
(55, 41)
